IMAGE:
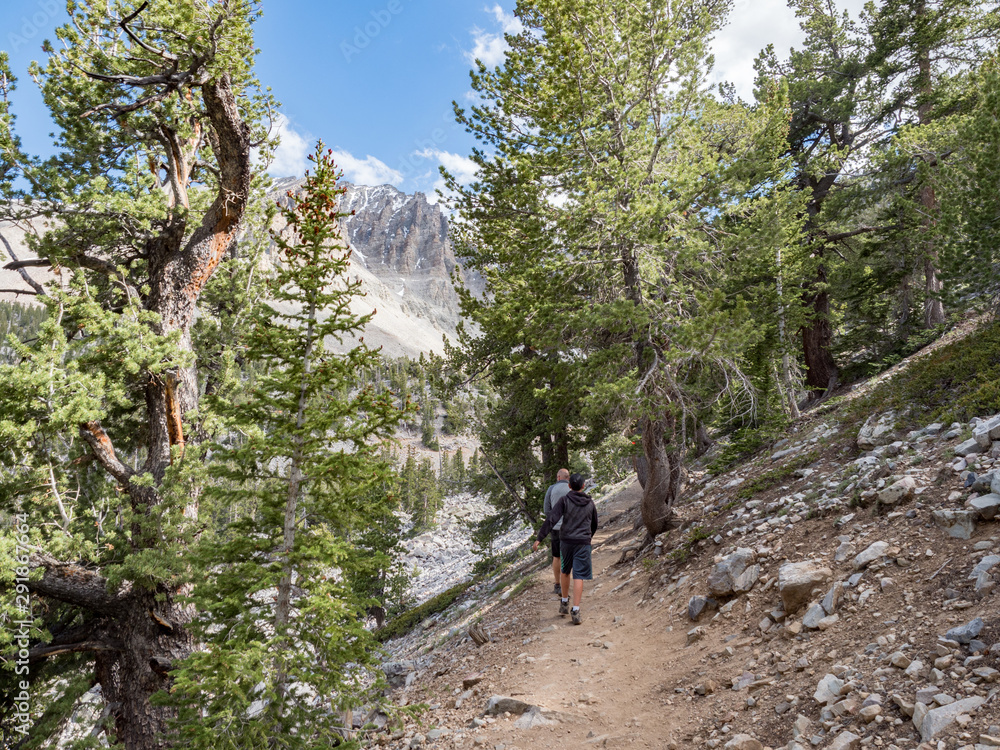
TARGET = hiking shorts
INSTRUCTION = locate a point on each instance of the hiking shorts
(576, 560)
(555, 544)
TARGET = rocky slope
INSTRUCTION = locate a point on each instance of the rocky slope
(836, 592)
(443, 556)
(404, 257)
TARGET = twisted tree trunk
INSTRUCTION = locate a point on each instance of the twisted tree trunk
(663, 479)
(138, 634)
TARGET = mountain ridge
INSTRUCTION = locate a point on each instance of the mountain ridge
(402, 254)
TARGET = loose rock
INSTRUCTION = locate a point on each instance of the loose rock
(727, 576)
(796, 582)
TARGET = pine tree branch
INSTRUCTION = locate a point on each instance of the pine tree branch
(856, 232)
(517, 498)
(45, 652)
(74, 584)
(71, 641)
(124, 26)
(104, 451)
(39, 290)
(84, 261)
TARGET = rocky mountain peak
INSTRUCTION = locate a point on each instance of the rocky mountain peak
(403, 254)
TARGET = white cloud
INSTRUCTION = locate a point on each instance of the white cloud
(461, 168)
(490, 46)
(752, 25)
(368, 171)
(291, 159)
(293, 148)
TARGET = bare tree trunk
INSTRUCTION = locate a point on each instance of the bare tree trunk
(817, 339)
(641, 466)
(151, 636)
(548, 458)
(663, 480)
(562, 449)
(933, 306)
(703, 440)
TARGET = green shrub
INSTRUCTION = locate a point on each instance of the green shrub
(773, 478)
(748, 440)
(411, 618)
(957, 382)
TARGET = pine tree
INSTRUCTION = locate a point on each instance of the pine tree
(428, 430)
(922, 50)
(613, 265)
(310, 464)
(408, 481)
(458, 470)
(839, 112)
(157, 111)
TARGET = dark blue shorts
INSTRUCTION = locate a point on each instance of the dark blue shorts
(576, 559)
(555, 543)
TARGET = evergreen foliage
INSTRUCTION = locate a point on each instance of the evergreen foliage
(307, 461)
(156, 111)
(22, 322)
(209, 483)
(605, 310)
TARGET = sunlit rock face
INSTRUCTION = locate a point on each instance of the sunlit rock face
(405, 260)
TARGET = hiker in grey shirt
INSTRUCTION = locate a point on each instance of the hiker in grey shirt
(552, 495)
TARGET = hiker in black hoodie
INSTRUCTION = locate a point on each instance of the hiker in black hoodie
(579, 523)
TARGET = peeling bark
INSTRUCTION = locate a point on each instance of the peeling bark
(140, 633)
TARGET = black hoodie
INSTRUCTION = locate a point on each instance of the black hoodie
(579, 517)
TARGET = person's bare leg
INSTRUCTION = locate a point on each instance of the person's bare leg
(577, 591)
(556, 570)
(564, 583)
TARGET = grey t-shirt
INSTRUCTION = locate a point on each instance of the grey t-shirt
(552, 495)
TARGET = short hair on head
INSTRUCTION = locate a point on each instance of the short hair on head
(562, 474)
(576, 482)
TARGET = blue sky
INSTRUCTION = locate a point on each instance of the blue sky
(375, 80)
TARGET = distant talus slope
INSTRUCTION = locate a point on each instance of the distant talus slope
(403, 255)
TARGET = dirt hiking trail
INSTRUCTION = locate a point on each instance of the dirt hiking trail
(608, 682)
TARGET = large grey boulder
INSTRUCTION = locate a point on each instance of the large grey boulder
(985, 566)
(877, 430)
(987, 506)
(698, 605)
(986, 432)
(797, 581)
(896, 493)
(828, 690)
(875, 551)
(744, 742)
(727, 577)
(968, 448)
(937, 720)
(966, 633)
(959, 524)
(813, 616)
